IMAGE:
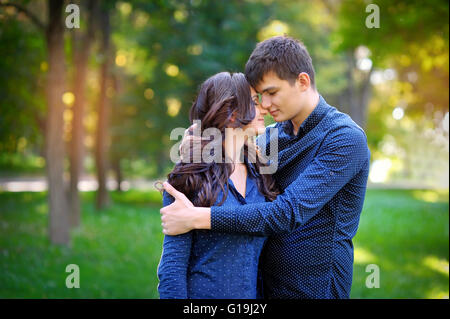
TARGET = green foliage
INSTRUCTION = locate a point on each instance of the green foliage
(194, 40)
(14, 164)
(22, 72)
(163, 50)
(411, 41)
(401, 22)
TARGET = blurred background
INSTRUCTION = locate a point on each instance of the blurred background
(87, 107)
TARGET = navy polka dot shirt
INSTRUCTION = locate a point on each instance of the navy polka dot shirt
(323, 172)
(209, 265)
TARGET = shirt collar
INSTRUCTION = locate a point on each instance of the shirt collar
(252, 175)
(311, 121)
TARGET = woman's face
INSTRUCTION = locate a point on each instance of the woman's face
(258, 122)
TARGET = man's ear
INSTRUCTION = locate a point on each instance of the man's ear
(303, 81)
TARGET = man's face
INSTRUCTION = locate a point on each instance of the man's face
(279, 97)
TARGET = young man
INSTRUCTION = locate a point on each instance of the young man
(323, 165)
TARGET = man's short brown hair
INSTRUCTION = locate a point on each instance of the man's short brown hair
(285, 56)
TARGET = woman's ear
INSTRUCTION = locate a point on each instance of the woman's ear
(233, 117)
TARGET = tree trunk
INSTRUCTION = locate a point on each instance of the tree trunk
(82, 46)
(355, 100)
(117, 173)
(103, 113)
(57, 197)
(351, 90)
(115, 154)
(366, 94)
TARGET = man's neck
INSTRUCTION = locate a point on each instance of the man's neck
(312, 102)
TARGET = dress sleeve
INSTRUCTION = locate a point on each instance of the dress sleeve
(172, 268)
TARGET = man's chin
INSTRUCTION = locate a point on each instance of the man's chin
(278, 119)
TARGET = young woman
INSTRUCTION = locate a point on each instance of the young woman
(205, 264)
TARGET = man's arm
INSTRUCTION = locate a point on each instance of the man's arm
(339, 159)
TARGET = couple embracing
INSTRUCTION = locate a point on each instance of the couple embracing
(234, 231)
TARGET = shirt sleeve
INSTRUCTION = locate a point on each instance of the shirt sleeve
(342, 155)
(172, 269)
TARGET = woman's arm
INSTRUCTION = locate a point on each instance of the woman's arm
(172, 269)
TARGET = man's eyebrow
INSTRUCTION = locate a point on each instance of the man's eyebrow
(270, 88)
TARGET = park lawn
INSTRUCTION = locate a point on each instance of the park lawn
(117, 250)
(404, 233)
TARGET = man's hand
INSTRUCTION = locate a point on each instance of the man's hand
(186, 141)
(182, 216)
(191, 139)
(172, 215)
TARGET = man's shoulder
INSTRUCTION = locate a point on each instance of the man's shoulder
(342, 130)
(337, 121)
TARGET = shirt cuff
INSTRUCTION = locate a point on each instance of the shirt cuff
(222, 219)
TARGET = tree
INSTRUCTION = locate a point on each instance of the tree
(103, 109)
(57, 196)
(163, 55)
(410, 31)
(82, 43)
(22, 82)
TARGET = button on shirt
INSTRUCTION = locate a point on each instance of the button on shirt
(323, 172)
(211, 264)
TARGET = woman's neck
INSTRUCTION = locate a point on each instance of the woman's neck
(233, 146)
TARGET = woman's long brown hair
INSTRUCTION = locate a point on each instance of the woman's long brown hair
(220, 97)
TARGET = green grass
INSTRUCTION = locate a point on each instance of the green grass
(405, 233)
(117, 250)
